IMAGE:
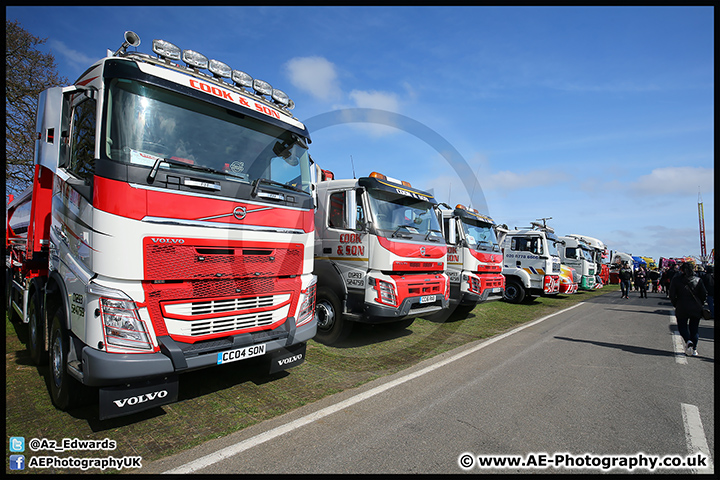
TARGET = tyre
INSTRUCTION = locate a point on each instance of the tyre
(65, 391)
(514, 291)
(36, 330)
(331, 326)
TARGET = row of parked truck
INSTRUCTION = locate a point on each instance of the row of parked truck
(177, 221)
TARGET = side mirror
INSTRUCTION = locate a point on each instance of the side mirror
(452, 232)
(351, 210)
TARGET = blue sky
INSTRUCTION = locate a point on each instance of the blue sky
(599, 117)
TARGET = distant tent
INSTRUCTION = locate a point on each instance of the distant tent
(637, 261)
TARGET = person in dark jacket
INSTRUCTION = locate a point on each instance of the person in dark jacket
(641, 281)
(625, 275)
(708, 280)
(687, 294)
(671, 272)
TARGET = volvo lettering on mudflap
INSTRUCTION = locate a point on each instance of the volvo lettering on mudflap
(169, 228)
(379, 254)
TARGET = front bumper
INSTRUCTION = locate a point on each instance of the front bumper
(106, 369)
(410, 307)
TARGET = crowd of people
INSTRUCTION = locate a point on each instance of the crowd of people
(690, 288)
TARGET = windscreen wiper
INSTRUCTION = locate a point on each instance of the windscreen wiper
(256, 185)
(427, 237)
(179, 163)
(396, 234)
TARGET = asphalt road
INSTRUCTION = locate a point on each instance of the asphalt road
(600, 380)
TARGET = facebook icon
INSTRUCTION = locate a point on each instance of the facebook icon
(17, 462)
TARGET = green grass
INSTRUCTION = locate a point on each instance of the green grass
(218, 401)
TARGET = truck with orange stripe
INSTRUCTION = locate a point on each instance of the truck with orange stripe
(380, 256)
(531, 263)
(169, 228)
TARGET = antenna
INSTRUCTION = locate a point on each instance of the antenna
(353, 167)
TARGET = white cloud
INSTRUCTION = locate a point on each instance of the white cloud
(75, 58)
(315, 75)
(374, 99)
(674, 180)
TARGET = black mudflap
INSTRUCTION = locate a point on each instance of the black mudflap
(287, 357)
(119, 401)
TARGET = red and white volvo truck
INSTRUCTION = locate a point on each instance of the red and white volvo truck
(379, 254)
(169, 228)
(474, 264)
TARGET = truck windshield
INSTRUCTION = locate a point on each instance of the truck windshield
(403, 216)
(588, 255)
(479, 235)
(553, 247)
(145, 123)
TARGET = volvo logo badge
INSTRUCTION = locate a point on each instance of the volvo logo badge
(239, 212)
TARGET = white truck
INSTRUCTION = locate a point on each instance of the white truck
(169, 228)
(380, 256)
(600, 255)
(577, 253)
(474, 263)
(531, 263)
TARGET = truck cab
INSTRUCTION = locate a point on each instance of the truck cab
(169, 227)
(474, 265)
(600, 256)
(531, 263)
(379, 254)
(578, 254)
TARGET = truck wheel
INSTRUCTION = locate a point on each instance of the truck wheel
(36, 330)
(514, 291)
(331, 326)
(64, 389)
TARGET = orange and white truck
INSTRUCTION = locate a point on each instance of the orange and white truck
(169, 228)
(380, 256)
(474, 264)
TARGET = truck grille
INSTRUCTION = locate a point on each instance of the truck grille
(196, 310)
(201, 318)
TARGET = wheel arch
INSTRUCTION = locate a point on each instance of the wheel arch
(329, 276)
(56, 296)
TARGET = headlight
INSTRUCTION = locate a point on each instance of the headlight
(307, 306)
(387, 292)
(122, 326)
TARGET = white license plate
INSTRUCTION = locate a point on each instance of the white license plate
(240, 354)
(497, 290)
(427, 299)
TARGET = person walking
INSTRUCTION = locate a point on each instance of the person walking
(672, 271)
(708, 280)
(625, 275)
(687, 294)
(654, 277)
(641, 281)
